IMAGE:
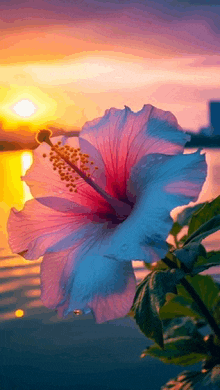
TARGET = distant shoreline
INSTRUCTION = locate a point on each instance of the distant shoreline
(15, 144)
(196, 141)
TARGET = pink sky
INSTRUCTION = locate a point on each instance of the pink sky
(74, 60)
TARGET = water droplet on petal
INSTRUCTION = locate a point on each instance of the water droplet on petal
(77, 312)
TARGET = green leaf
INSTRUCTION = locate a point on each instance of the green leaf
(202, 268)
(184, 305)
(206, 288)
(158, 266)
(182, 326)
(184, 217)
(212, 260)
(179, 306)
(214, 256)
(181, 350)
(183, 343)
(195, 380)
(175, 229)
(216, 309)
(211, 257)
(150, 297)
(188, 254)
(210, 227)
(183, 239)
(204, 214)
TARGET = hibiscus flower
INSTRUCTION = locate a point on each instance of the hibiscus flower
(101, 201)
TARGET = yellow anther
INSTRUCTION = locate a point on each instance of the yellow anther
(61, 160)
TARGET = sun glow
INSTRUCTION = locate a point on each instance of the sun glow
(24, 108)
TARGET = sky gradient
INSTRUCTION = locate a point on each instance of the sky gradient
(74, 59)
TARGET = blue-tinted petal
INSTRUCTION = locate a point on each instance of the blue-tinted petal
(106, 286)
(173, 182)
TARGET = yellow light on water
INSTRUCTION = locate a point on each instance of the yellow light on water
(19, 313)
(24, 108)
(27, 160)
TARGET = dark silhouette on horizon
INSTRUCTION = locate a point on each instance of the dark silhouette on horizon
(208, 137)
(25, 140)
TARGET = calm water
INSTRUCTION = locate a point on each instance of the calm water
(20, 279)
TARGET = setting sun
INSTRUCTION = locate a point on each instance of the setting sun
(24, 108)
(27, 106)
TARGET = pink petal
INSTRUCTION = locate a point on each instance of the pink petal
(73, 279)
(123, 137)
(61, 262)
(115, 305)
(52, 267)
(44, 181)
(36, 227)
(142, 236)
(106, 286)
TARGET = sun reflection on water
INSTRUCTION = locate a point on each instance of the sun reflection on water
(19, 313)
(26, 160)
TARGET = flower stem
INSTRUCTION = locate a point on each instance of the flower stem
(176, 242)
(197, 299)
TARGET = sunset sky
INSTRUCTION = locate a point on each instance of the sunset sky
(74, 59)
